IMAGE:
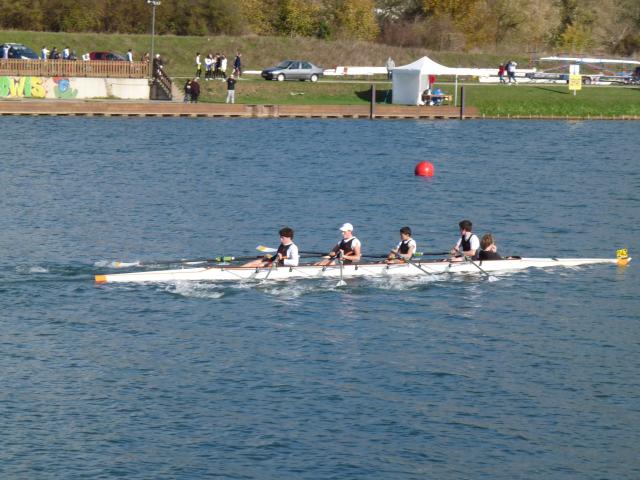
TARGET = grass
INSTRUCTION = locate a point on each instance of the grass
(258, 91)
(554, 100)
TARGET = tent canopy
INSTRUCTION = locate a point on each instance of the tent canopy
(409, 81)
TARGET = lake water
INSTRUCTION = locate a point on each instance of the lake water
(531, 376)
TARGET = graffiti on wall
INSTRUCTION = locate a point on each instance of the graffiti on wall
(63, 88)
(35, 87)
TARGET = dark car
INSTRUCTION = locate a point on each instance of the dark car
(113, 57)
(19, 51)
(293, 70)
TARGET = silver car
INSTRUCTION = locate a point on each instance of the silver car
(293, 70)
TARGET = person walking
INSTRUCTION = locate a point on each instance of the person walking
(231, 89)
(501, 73)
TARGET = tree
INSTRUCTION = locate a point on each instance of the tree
(352, 19)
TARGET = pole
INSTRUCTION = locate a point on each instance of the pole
(455, 93)
(153, 30)
(372, 109)
(462, 102)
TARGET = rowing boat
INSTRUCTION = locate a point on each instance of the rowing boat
(414, 268)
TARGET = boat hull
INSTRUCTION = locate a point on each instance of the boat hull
(429, 268)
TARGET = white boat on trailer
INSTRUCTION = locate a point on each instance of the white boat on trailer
(414, 268)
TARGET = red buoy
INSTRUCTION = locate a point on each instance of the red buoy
(424, 169)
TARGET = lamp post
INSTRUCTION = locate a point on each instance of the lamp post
(154, 4)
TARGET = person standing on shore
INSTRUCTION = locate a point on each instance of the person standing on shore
(223, 66)
(44, 53)
(511, 71)
(195, 90)
(231, 89)
(237, 65)
(130, 55)
(187, 91)
(198, 65)
(390, 66)
(208, 62)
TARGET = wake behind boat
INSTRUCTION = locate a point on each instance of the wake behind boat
(377, 269)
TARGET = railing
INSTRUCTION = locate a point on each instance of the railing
(74, 68)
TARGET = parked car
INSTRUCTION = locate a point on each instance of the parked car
(19, 51)
(293, 70)
(547, 77)
(113, 57)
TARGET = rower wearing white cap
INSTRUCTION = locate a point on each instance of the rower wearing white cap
(348, 248)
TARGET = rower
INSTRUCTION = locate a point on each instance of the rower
(348, 249)
(287, 254)
(405, 249)
(488, 249)
(468, 243)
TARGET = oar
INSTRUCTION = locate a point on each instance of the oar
(265, 249)
(416, 254)
(411, 262)
(341, 283)
(490, 277)
(226, 258)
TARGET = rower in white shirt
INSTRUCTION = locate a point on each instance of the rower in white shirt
(468, 244)
(287, 254)
(405, 249)
(348, 249)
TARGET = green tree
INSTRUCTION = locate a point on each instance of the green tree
(297, 17)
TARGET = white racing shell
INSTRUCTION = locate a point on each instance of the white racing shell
(415, 268)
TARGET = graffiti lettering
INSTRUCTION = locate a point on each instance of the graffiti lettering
(22, 87)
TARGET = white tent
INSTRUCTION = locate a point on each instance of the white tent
(409, 81)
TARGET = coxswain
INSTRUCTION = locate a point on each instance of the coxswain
(348, 249)
(287, 254)
(468, 243)
(405, 249)
(488, 249)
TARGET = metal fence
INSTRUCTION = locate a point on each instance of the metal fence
(74, 68)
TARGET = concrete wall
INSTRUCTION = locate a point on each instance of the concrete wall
(73, 88)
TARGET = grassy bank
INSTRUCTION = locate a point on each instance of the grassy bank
(553, 100)
(491, 100)
(257, 52)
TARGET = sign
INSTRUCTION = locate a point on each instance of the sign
(575, 82)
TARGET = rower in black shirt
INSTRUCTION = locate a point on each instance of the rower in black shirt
(488, 249)
(405, 249)
(348, 249)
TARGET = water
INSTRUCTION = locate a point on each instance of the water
(531, 376)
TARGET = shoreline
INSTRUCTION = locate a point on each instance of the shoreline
(120, 108)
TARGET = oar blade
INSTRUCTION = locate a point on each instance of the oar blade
(265, 249)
